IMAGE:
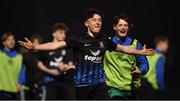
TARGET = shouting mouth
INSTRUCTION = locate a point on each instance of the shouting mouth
(123, 32)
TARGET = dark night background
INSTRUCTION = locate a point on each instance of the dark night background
(150, 17)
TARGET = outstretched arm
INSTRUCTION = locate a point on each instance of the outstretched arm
(50, 46)
(129, 50)
(46, 46)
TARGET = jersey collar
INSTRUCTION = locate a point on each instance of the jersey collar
(11, 53)
(98, 35)
(126, 41)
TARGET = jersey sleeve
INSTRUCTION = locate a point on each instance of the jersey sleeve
(21, 79)
(111, 46)
(142, 61)
(160, 72)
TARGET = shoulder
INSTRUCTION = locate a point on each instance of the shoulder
(1, 51)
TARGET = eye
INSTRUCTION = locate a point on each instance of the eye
(119, 25)
(126, 25)
(100, 20)
(93, 19)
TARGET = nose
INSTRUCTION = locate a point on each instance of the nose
(123, 28)
(98, 23)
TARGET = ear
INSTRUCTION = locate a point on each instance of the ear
(114, 27)
(3, 43)
(86, 23)
(54, 35)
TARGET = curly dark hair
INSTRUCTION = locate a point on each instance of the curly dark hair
(123, 17)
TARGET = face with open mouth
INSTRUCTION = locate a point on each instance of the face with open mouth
(121, 28)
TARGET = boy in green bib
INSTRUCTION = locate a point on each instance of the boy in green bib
(12, 72)
(123, 70)
(153, 85)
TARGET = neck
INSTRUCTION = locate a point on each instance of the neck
(54, 40)
(91, 34)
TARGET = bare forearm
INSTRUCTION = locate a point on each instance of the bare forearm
(50, 46)
(42, 67)
(128, 50)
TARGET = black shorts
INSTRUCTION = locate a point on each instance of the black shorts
(8, 96)
(62, 88)
(93, 92)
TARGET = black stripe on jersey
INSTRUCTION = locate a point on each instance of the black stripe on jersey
(84, 71)
(97, 73)
(81, 70)
(100, 72)
(78, 70)
(88, 71)
(91, 71)
(95, 70)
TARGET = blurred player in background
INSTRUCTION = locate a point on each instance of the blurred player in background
(153, 85)
(58, 67)
(12, 71)
(34, 76)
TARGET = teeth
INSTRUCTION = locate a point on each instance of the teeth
(122, 31)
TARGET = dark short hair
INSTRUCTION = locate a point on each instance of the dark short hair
(6, 35)
(123, 17)
(60, 26)
(91, 12)
(159, 39)
(36, 36)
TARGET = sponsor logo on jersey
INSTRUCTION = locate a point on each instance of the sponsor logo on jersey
(95, 59)
(56, 61)
(95, 53)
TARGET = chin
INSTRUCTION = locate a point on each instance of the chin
(61, 39)
(96, 31)
(11, 48)
(124, 35)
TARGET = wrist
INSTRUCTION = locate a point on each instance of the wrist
(33, 47)
(61, 72)
(47, 71)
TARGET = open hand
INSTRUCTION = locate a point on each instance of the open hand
(27, 44)
(148, 52)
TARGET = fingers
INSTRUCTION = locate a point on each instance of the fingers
(27, 44)
(151, 49)
(27, 39)
(150, 52)
(144, 47)
(21, 43)
(135, 73)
